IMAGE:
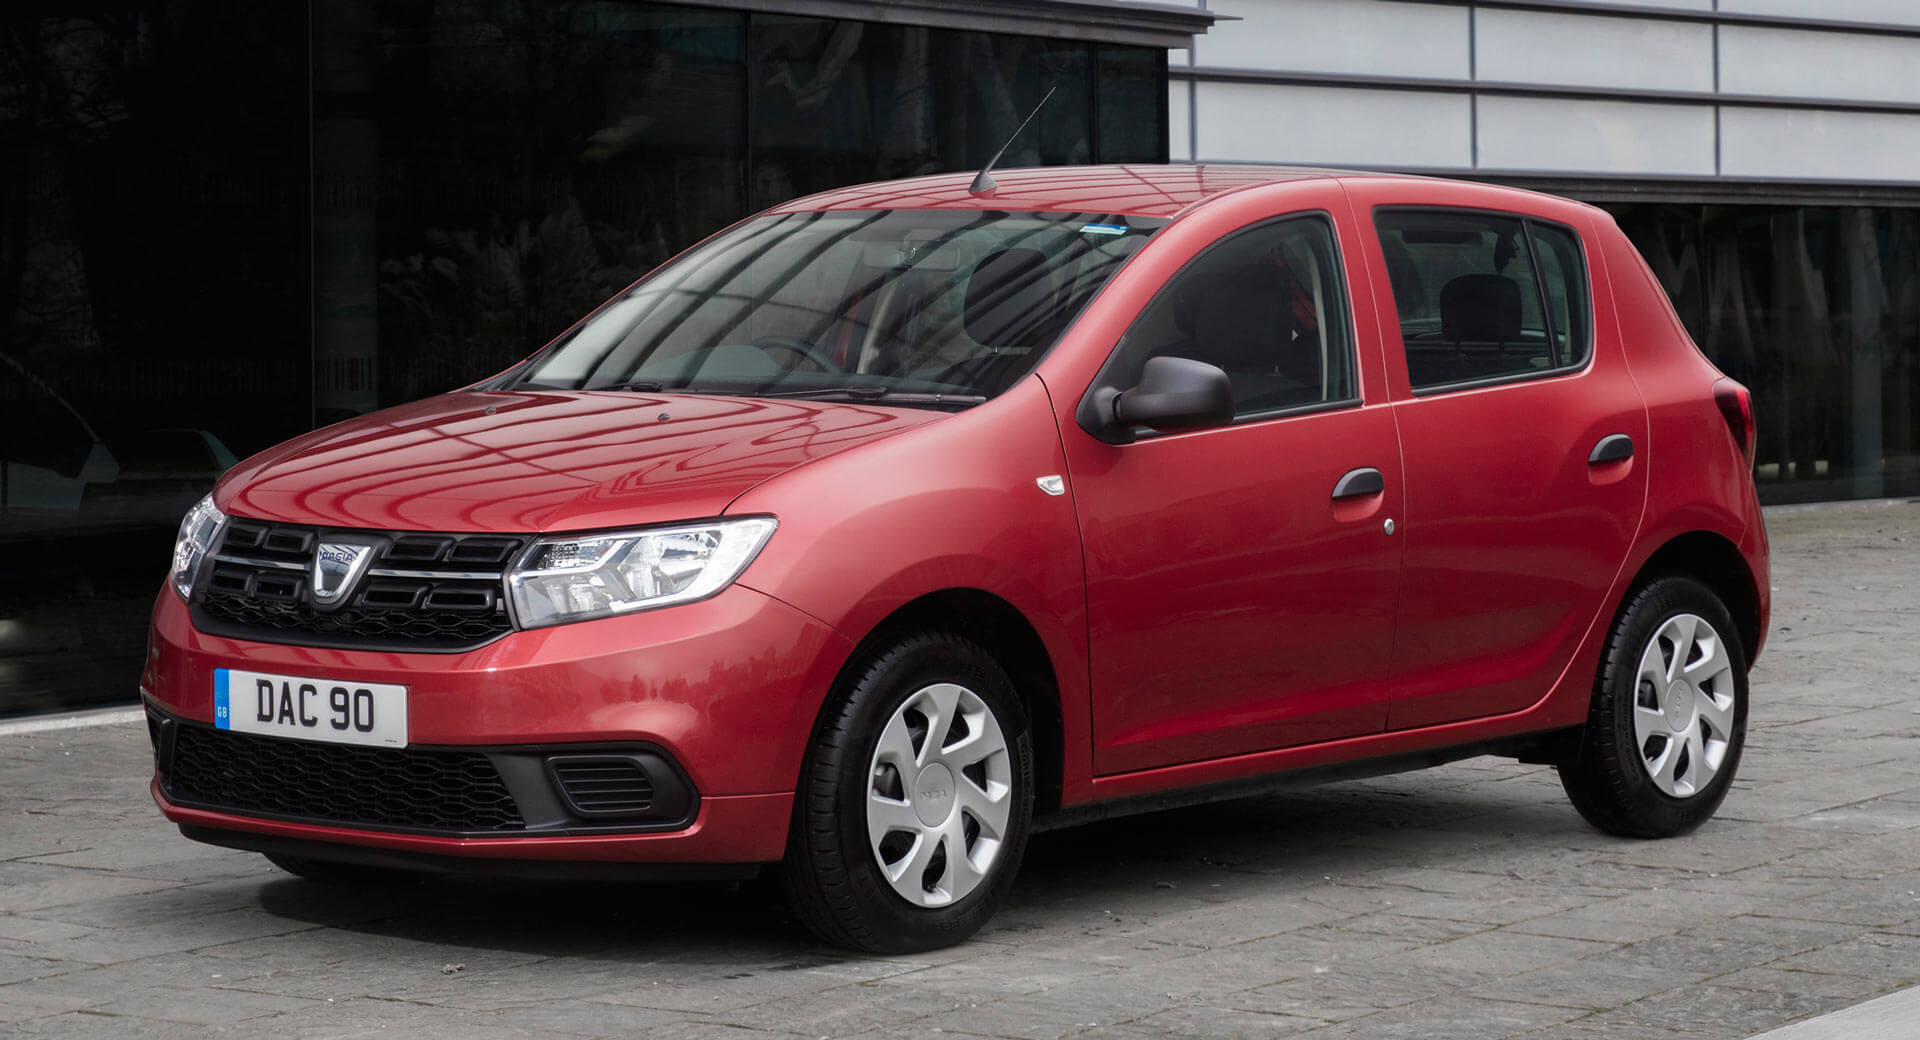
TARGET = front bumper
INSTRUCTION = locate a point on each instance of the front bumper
(714, 700)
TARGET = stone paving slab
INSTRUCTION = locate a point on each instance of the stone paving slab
(1468, 901)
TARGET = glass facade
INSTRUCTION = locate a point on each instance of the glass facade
(1817, 310)
(153, 309)
(222, 224)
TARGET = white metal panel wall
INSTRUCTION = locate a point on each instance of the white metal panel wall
(1316, 126)
(1347, 36)
(1815, 145)
(1623, 89)
(1542, 47)
(1891, 12)
(1843, 66)
(1677, 5)
(1562, 135)
(1179, 127)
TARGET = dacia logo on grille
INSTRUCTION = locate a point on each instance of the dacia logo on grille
(336, 567)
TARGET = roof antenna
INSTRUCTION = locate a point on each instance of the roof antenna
(983, 181)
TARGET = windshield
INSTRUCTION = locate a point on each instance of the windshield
(927, 307)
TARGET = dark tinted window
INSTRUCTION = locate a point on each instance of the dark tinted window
(1267, 305)
(1468, 289)
(1564, 274)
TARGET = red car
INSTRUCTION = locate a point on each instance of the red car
(890, 523)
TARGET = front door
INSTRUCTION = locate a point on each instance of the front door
(1240, 579)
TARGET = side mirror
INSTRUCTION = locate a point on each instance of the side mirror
(1174, 393)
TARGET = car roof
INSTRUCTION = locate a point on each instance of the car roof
(1136, 190)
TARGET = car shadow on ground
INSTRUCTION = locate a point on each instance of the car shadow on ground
(1147, 862)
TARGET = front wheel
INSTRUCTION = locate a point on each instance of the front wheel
(914, 802)
(1669, 715)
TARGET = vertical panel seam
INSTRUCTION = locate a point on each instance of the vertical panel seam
(1716, 91)
(1473, 97)
(1193, 102)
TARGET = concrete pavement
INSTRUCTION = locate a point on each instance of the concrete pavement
(1468, 901)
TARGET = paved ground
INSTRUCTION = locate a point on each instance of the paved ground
(1463, 902)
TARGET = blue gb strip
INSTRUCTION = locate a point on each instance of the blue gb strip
(222, 718)
(1104, 229)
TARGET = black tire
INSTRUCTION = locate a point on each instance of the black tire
(831, 875)
(1608, 775)
(328, 872)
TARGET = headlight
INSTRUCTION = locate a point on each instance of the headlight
(198, 529)
(592, 576)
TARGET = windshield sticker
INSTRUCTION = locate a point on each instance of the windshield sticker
(1104, 229)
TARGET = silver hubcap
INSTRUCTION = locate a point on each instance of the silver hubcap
(939, 794)
(1683, 705)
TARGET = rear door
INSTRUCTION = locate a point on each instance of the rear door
(1524, 443)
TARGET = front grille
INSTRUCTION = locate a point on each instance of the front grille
(412, 789)
(603, 785)
(440, 592)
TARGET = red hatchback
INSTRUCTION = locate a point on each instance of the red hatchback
(888, 523)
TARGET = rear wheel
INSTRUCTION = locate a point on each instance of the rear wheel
(915, 801)
(1669, 715)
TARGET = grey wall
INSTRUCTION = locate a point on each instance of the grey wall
(1803, 90)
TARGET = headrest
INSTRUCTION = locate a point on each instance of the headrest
(1480, 308)
(1010, 300)
(1244, 321)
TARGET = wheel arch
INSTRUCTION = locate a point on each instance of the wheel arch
(1004, 632)
(1716, 563)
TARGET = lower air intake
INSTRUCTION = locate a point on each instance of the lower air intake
(603, 785)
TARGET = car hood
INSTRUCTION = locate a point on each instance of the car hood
(545, 460)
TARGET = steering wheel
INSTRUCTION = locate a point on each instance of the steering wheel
(796, 345)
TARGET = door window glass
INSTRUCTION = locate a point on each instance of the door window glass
(1563, 274)
(1467, 287)
(1268, 306)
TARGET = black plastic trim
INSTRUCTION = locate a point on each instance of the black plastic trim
(1614, 447)
(1544, 746)
(667, 784)
(544, 810)
(471, 866)
(383, 542)
(1363, 481)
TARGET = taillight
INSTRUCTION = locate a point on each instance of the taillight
(1736, 405)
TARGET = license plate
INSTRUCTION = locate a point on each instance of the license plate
(305, 708)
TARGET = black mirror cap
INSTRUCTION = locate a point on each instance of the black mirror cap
(1176, 393)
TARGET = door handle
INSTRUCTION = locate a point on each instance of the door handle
(1363, 481)
(1614, 447)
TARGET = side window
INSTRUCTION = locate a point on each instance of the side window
(1564, 273)
(1469, 291)
(1268, 305)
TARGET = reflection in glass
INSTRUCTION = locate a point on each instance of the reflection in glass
(842, 102)
(223, 223)
(936, 307)
(1817, 310)
(153, 308)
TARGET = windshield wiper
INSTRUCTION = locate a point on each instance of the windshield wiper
(873, 392)
(655, 386)
(645, 386)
